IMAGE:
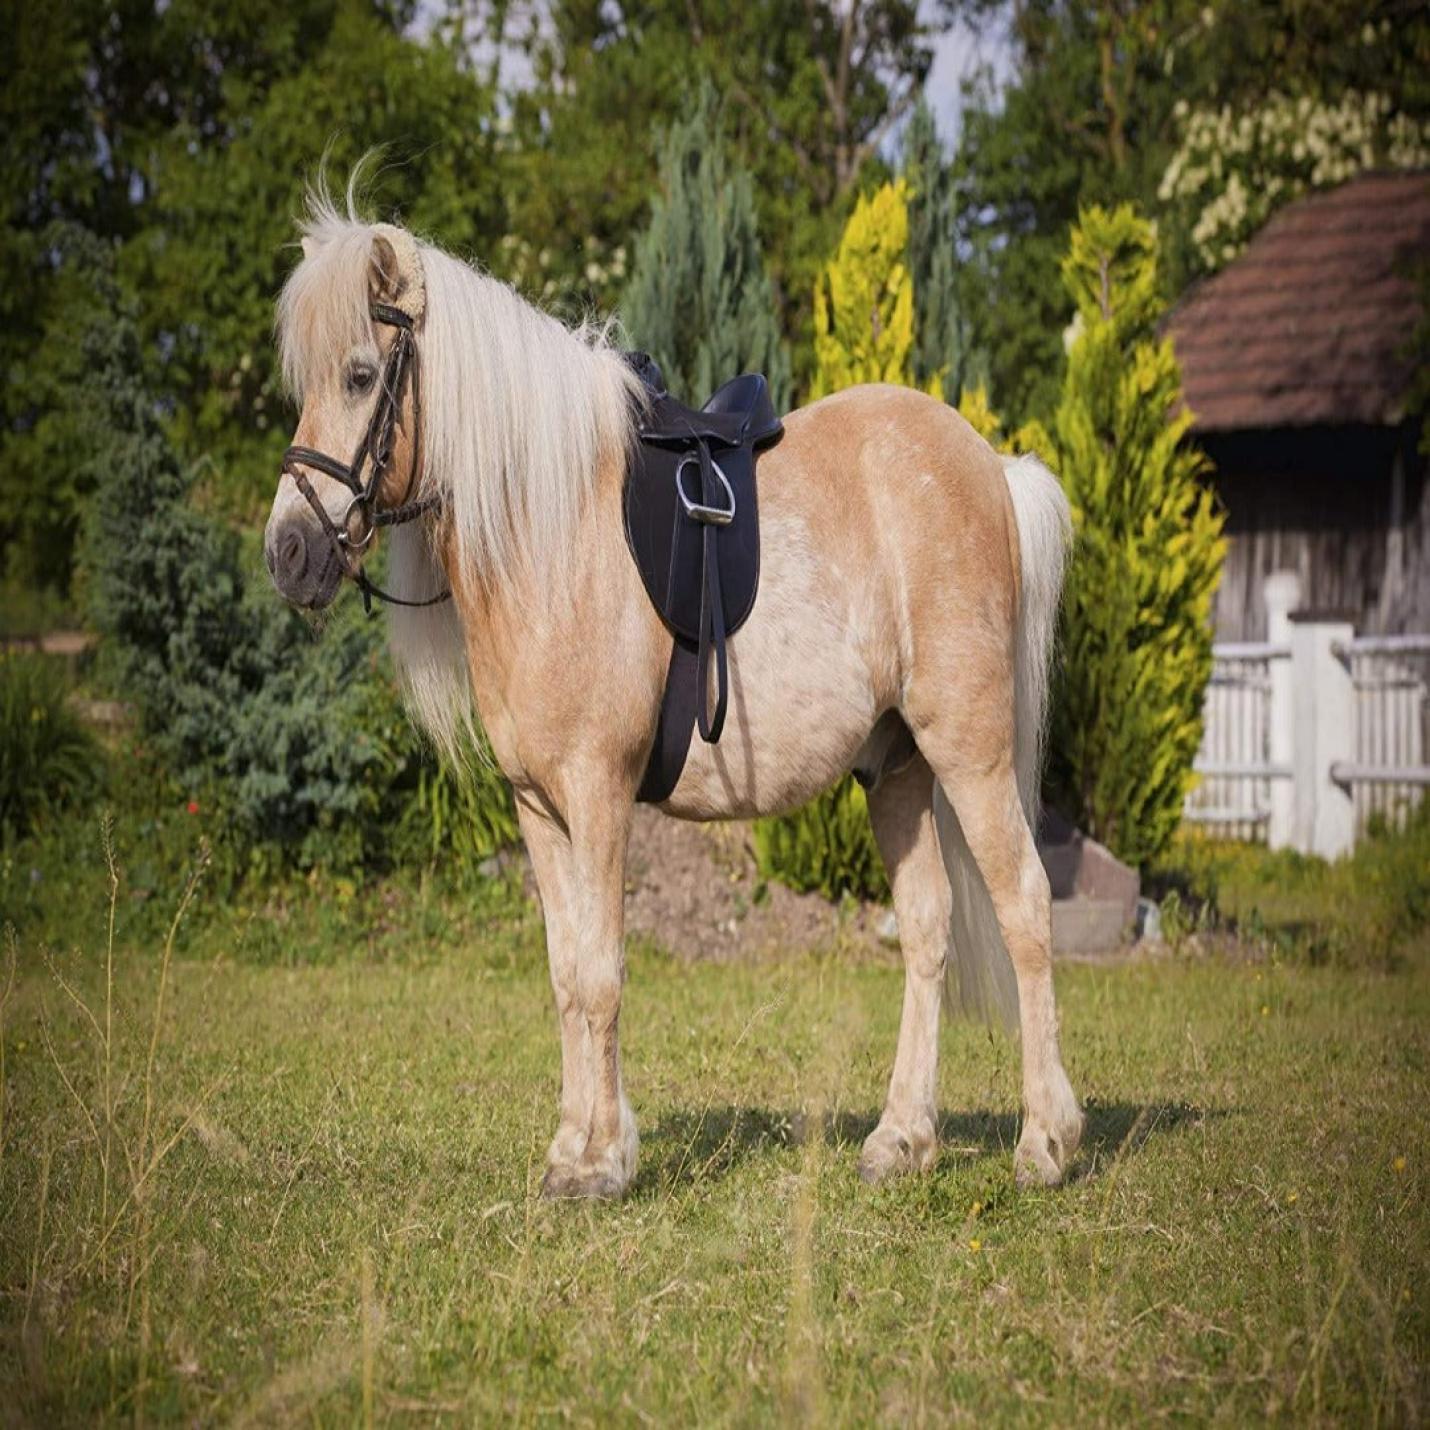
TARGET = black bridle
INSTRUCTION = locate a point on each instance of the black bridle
(375, 453)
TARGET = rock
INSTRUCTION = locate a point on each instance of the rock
(886, 927)
(1088, 925)
(1094, 893)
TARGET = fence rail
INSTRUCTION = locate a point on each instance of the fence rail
(1234, 795)
(1390, 676)
(1313, 734)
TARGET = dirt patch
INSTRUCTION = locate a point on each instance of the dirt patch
(69, 643)
(694, 889)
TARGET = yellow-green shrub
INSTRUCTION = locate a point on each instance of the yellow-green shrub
(826, 847)
(864, 300)
(863, 332)
(1136, 636)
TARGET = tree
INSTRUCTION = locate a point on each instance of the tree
(1082, 122)
(1091, 116)
(810, 92)
(90, 93)
(1234, 168)
(699, 299)
(863, 323)
(301, 747)
(941, 339)
(220, 223)
(1136, 630)
(864, 299)
(182, 136)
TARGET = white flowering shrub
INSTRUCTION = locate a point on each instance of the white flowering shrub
(1234, 169)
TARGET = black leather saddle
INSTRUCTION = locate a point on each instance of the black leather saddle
(693, 528)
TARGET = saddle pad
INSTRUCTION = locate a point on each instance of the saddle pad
(664, 541)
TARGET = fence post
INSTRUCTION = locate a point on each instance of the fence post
(1324, 821)
(1281, 593)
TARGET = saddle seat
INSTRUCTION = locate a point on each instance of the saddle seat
(692, 526)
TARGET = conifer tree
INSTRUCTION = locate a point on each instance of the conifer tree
(864, 300)
(941, 338)
(1136, 618)
(699, 301)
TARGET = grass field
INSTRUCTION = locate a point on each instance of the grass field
(257, 1192)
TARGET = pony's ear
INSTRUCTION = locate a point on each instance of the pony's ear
(395, 270)
(307, 245)
(384, 281)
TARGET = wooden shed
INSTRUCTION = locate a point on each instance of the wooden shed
(1298, 360)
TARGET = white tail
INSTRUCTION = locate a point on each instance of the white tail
(980, 979)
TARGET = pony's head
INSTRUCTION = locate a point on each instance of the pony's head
(348, 324)
(488, 419)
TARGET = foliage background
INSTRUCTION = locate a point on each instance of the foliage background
(211, 1209)
(151, 157)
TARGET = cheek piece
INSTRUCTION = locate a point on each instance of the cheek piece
(374, 453)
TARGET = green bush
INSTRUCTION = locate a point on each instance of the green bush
(468, 811)
(300, 741)
(827, 846)
(48, 759)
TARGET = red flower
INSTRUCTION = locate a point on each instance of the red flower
(193, 806)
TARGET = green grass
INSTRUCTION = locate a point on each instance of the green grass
(336, 1215)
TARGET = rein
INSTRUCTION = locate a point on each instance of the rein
(374, 452)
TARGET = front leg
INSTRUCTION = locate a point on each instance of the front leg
(550, 854)
(580, 871)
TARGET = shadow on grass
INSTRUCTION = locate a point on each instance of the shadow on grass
(690, 1146)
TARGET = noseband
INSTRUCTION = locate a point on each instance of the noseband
(374, 453)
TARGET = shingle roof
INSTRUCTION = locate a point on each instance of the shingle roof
(1311, 323)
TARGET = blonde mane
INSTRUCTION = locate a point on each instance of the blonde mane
(519, 412)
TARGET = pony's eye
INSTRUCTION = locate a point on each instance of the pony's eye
(360, 378)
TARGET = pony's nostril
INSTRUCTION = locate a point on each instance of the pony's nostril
(293, 555)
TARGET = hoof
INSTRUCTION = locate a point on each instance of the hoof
(559, 1183)
(890, 1151)
(592, 1184)
(588, 1174)
(1043, 1156)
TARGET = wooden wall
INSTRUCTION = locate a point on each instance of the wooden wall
(1344, 507)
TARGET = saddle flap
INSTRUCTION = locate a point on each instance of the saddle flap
(667, 544)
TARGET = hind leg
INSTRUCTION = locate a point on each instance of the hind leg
(901, 812)
(985, 801)
(960, 706)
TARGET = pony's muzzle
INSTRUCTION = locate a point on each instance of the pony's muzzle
(305, 569)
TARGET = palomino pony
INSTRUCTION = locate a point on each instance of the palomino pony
(908, 593)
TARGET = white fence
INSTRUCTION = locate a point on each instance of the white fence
(1313, 732)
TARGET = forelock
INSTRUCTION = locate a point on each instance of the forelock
(323, 309)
